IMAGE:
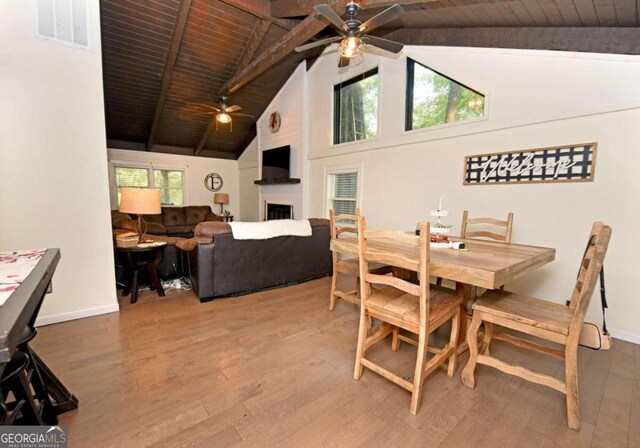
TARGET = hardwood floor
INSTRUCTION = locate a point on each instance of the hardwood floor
(275, 369)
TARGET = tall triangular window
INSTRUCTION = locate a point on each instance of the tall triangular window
(434, 99)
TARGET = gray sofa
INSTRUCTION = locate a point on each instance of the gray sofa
(221, 266)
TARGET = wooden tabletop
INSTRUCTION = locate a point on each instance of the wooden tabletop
(485, 264)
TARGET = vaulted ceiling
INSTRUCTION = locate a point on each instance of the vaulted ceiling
(164, 60)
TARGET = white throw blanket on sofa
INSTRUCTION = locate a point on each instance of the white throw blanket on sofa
(270, 229)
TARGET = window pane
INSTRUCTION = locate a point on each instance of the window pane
(169, 182)
(356, 106)
(343, 192)
(340, 207)
(437, 99)
(131, 177)
(346, 185)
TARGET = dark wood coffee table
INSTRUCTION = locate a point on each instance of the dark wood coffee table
(142, 257)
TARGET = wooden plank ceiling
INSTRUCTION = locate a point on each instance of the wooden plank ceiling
(163, 59)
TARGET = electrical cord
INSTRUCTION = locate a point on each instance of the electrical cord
(177, 283)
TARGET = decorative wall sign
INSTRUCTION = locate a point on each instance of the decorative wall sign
(213, 182)
(274, 122)
(569, 163)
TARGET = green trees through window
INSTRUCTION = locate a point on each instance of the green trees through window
(131, 177)
(169, 182)
(356, 108)
(434, 99)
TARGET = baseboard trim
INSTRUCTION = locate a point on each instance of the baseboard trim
(73, 315)
(625, 335)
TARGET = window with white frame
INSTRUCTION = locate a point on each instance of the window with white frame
(342, 191)
(170, 182)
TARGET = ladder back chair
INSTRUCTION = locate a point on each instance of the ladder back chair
(543, 319)
(466, 233)
(348, 266)
(504, 237)
(400, 304)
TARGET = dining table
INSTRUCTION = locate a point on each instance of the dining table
(25, 279)
(482, 264)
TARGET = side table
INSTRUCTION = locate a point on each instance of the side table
(227, 218)
(144, 255)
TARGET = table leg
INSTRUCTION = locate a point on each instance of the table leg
(464, 292)
(154, 280)
(64, 400)
(134, 286)
(153, 273)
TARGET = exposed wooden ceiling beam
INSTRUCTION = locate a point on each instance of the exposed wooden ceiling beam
(304, 31)
(262, 10)
(620, 40)
(301, 33)
(253, 45)
(172, 55)
(299, 8)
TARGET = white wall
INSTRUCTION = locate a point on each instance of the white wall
(195, 169)
(249, 192)
(535, 99)
(54, 189)
(289, 102)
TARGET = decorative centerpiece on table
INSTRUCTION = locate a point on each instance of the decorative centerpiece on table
(439, 230)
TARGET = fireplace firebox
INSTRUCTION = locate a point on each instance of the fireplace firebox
(278, 211)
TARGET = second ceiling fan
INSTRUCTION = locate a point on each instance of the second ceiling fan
(354, 34)
(223, 114)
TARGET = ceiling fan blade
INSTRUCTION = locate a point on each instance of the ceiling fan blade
(244, 116)
(343, 62)
(389, 45)
(385, 16)
(232, 109)
(329, 14)
(197, 107)
(318, 43)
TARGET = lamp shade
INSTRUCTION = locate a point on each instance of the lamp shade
(141, 201)
(221, 198)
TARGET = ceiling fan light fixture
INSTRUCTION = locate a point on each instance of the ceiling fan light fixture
(223, 117)
(351, 47)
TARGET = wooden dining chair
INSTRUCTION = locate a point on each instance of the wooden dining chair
(504, 237)
(466, 233)
(543, 319)
(400, 304)
(348, 266)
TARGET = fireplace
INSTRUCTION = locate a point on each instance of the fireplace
(278, 211)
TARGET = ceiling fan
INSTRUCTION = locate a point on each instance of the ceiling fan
(353, 33)
(224, 114)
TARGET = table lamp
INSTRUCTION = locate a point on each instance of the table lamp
(141, 201)
(221, 198)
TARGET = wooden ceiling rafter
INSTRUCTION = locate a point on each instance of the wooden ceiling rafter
(621, 40)
(262, 10)
(304, 31)
(176, 40)
(299, 8)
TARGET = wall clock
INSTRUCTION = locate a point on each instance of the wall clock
(213, 182)
(274, 122)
